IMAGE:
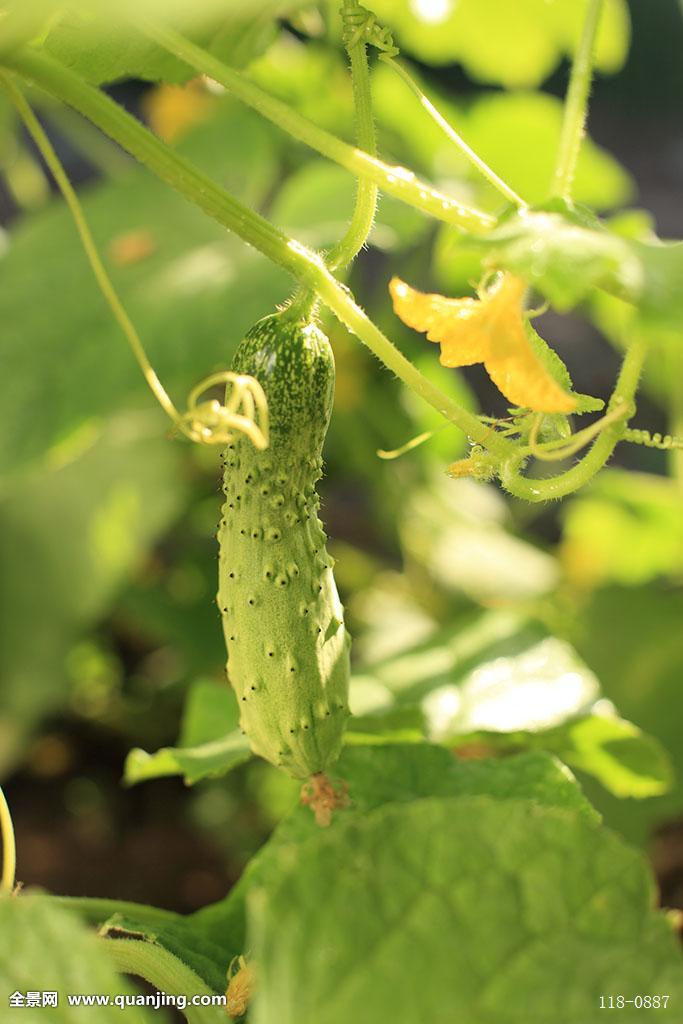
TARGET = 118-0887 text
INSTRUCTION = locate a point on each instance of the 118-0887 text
(639, 1002)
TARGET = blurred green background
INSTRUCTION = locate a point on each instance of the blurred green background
(107, 547)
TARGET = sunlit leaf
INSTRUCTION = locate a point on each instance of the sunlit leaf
(566, 257)
(627, 528)
(456, 530)
(208, 760)
(515, 44)
(538, 902)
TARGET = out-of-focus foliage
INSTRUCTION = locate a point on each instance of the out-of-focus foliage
(31, 926)
(515, 46)
(532, 643)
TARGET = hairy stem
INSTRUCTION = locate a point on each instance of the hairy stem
(536, 490)
(9, 848)
(166, 973)
(303, 264)
(366, 191)
(576, 103)
(451, 133)
(396, 181)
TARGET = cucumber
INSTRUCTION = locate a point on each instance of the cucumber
(288, 649)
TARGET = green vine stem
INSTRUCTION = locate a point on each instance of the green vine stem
(397, 181)
(451, 133)
(166, 973)
(366, 195)
(623, 396)
(576, 103)
(45, 148)
(9, 848)
(303, 264)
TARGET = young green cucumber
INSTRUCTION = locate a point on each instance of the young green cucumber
(288, 650)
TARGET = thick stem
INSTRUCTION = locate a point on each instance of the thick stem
(576, 103)
(396, 181)
(536, 490)
(303, 264)
(366, 195)
(166, 973)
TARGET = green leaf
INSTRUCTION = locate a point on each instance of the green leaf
(98, 43)
(208, 760)
(69, 537)
(630, 636)
(191, 298)
(517, 134)
(44, 949)
(627, 762)
(210, 743)
(456, 530)
(516, 45)
(399, 774)
(315, 205)
(210, 712)
(534, 689)
(469, 909)
(566, 258)
(625, 528)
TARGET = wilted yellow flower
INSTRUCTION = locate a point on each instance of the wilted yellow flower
(240, 987)
(490, 330)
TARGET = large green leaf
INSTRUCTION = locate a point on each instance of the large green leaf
(44, 950)
(512, 44)
(191, 298)
(100, 43)
(565, 258)
(69, 536)
(400, 774)
(500, 685)
(626, 761)
(476, 909)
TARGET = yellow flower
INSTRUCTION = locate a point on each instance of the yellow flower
(490, 330)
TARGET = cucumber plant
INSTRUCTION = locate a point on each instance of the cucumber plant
(413, 821)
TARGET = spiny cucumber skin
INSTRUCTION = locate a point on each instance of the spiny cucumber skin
(288, 650)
